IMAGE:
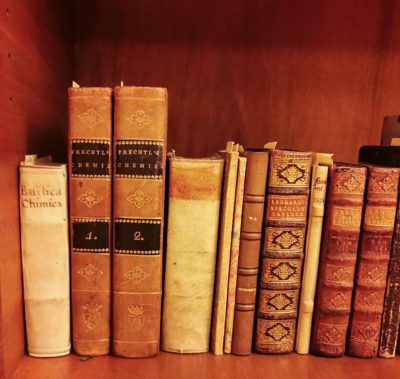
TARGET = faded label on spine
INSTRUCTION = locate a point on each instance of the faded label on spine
(91, 158)
(139, 159)
(90, 235)
(137, 236)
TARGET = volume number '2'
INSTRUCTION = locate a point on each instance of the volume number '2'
(137, 236)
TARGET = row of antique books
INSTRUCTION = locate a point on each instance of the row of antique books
(252, 237)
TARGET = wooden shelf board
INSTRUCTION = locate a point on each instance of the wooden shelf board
(207, 366)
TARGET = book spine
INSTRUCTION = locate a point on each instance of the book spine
(391, 309)
(338, 258)
(249, 250)
(45, 259)
(311, 259)
(192, 234)
(140, 126)
(224, 251)
(89, 156)
(234, 257)
(376, 239)
(283, 248)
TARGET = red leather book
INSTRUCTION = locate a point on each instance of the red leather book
(90, 133)
(338, 259)
(374, 255)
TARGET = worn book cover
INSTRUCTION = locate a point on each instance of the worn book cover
(374, 255)
(282, 252)
(338, 258)
(195, 187)
(45, 256)
(388, 156)
(89, 156)
(140, 127)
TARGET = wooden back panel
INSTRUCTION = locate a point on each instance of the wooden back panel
(35, 70)
(312, 75)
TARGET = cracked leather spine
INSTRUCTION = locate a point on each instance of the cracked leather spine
(140, 127)
(372, 267)
(341, 233)
(89, 155)
(283, 250)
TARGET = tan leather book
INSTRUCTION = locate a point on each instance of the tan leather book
(45, 256)
(374, 255)
(231, 156)
(249, 249)
(192, 235)
(89, 156)
(282, 254)
(338, 258)
(140, 127)
(320, 170)
(234, 256)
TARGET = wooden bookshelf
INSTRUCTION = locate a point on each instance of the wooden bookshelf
(314, 75)
(205, 366)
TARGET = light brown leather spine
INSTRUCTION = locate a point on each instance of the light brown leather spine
(140, 127)
(283, 247)
(90, 133)
(338, 258)
(249, 250)
(376, 240)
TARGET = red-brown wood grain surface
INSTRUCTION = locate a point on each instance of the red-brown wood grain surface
(35, 69)
(208, 366)
(313, 75)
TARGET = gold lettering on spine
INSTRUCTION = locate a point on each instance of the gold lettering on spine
(287, 208)
(347, 216)
(379, 216)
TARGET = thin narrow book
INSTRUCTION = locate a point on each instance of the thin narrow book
(338, 259)
(320, 170)
(283, 248)
(249, 250)
(45, 256)
(140, 127)
(234, 258)
(89, 155)
(374, 255)
(231, 156)
(192, 235)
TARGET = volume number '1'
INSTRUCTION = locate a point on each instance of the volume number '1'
(137, 236)
(90, 236)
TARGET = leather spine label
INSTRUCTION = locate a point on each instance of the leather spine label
(90, 235)
(139, 159)
(137, 236)
(90, 158)
(287, 208)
